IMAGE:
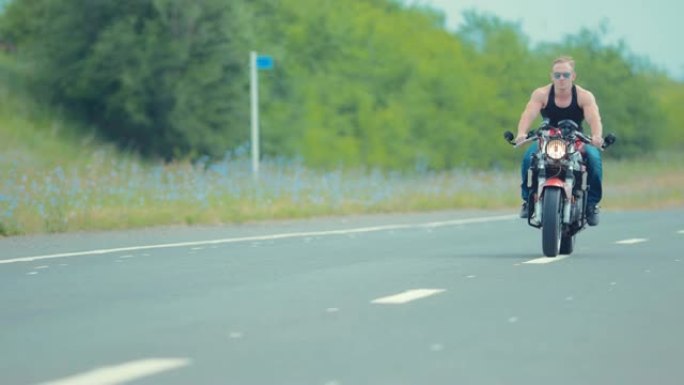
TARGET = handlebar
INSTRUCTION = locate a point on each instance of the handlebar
(531, 136)
(534, 134)
(510, 138)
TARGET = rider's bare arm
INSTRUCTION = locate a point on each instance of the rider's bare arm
(531, 112)
(587, 102)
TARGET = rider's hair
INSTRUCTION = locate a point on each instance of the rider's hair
(565, 59)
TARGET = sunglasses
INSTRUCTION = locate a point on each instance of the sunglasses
(558, 75)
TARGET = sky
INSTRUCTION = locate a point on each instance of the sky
(651, 29)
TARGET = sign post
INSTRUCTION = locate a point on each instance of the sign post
(256, 63)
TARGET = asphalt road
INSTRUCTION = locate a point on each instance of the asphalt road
(443, 298)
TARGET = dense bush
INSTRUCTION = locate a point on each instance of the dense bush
(165, 77)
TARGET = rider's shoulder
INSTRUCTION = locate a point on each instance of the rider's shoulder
(584, 95)
(542, 92)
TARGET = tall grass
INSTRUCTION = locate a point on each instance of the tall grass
(109, 193)
(656, 181)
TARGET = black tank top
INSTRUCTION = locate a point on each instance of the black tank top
(555, 114)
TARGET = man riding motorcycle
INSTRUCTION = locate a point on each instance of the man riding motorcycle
(559, 100)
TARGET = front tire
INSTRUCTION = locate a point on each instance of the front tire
(551, 222)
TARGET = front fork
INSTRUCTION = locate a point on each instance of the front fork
(533, 201)
(535, 217)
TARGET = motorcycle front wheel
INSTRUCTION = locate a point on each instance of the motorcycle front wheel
(551, 222)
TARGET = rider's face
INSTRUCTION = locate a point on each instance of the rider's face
(562, 75)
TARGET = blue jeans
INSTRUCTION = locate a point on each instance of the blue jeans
(592, 157)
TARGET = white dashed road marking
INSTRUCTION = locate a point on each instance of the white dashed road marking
(436, 347)
(407, 296)
(544, 260)
(631, 241)
(119, 374)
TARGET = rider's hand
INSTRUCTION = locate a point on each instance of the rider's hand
(597, 140)
(520, 138)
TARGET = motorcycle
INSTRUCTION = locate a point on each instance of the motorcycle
(557, 179)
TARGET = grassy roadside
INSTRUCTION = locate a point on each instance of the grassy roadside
(108, 192)
(655, 182)
(53, 178)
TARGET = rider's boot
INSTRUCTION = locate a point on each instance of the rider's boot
(593, 215)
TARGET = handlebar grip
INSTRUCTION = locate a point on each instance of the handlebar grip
(609, 140)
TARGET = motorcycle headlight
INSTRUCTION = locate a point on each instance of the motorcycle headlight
(556, 149)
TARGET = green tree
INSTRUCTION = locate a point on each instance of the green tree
(369, 83)
(502, 53)
(671, 98)
(167, 77)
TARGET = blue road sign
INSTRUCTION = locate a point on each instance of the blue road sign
(264, 62)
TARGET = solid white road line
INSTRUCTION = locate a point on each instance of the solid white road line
(119, 374)
(631, 241)
(680, 232)
(543, 260)
(407, 296)
(455, 222)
